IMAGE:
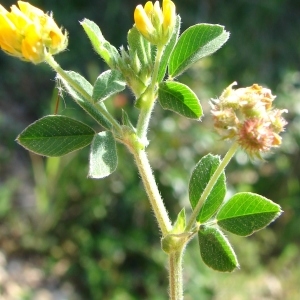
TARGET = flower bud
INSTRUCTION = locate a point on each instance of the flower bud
(154, 23)
(148, 8)
(143, 22)
(169, 11)
(29, 34)
(157, 15)
(247, 116)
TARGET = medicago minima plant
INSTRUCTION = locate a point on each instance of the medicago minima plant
(157, 53)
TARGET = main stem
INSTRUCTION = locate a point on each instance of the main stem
(151, 188)
(149, 99)
(161, 214)
(140, 156)
(175, 275)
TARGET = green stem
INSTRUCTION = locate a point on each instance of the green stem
(175, 275)
(151, 188)
(144, 119)
(159, 53)
(211, 184)
(91, 107)
(149, 99)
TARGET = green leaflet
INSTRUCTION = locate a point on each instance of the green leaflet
(55, 135)
(81, 99)
(195, 43)
(200, 177)
(107, 84)
(216, 250)
(246, 213)
(108, 52)
(103, 155)
(179, 98)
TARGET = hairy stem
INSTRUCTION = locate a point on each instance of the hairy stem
(149, 100)
(151, 188)
(175, 275)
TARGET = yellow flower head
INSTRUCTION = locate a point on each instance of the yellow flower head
(29, 34)
(156, 24)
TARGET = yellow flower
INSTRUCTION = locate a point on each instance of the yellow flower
(169, 11)
(29, 34)
(154, 23)
(143, 22)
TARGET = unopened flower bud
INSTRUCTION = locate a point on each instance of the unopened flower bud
(157, 15)
(154, 23)
(143, 22)
(148, 8)
(29, 34)
(169, 10)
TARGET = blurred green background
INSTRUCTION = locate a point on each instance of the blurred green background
(63, 236)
